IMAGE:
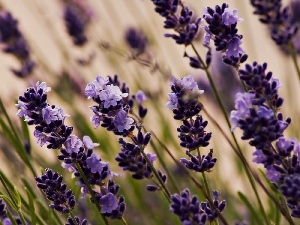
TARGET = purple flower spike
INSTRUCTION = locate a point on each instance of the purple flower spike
(73, 144)
(109, 203)
(95, 164)
(122, 122)
(230, 16)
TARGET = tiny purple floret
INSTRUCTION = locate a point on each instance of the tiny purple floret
(109, 203)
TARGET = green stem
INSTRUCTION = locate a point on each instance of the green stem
(294, 58)
(165, 189)
(123, 221)
(170, 178)
(78, 167)
(203, 174)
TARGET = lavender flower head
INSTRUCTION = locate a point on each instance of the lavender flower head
(191, 211)
(75, 25)
(113, 105)
(48, 119)
(136, 40)
(184, 103)
(51, 184)
(222, 22)
(15, 44)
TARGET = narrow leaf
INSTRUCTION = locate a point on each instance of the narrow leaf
(18, 198)
(31, 207)
(249, 205)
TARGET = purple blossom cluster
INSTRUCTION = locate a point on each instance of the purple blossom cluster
(77, 16)
(222, 22)
(51, 183)
(113, 105)
(257, 115)
(182, 22)
(51, 130)
(184, 102)
(191, 211)
(15, 44)
(278, 18)
(136, 40)
(75, 26)
(112, 109)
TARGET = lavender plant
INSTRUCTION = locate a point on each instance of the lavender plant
(142, 135)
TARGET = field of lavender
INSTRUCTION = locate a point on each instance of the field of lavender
(149, 112)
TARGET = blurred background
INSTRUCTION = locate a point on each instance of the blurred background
(109, 28)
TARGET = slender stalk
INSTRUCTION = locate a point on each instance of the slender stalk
(170, 178)
(78, 167)
(203, 174)
(161, 182)
(123, 221)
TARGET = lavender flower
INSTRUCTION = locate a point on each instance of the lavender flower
(278, 19)
(113, 104)
(49, 120)
(222, 22)
(122, 122)
(184, 103)
(191, 211)
(257, 115)
(130, 157)
(51, 184)
(136, 40)
(15, 44)
(75, 25)
(187, 208)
